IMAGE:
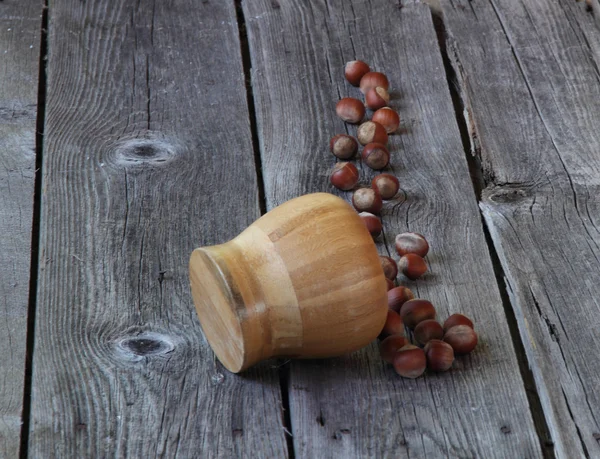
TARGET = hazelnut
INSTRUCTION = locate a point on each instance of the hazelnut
(427, 330)
(410, 361)
(343, 146)
(377, 98)
(440, 355)
(393, 325)
(386, 185)
(354, 71)
(372, 223)
(412, 266)
(373, 80)
(414, 312)
(462, 338)
(344, 176)
(391, 345)
(370, 132)
(367, 200)
(398, 296)
(350, 110)
(411, 243)
(390, 284)
(388, 118)
(390, 268)
(375, 155)
(457, 319)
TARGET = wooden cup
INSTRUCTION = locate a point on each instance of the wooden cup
(303, 281)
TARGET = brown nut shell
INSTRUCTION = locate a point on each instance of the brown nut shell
(415, 311)
(343, 146)
(390, 268)
(373, 80)
(367, 200)
(411, 243)
(376, 156)
(350, 110)
(440, 355)
(372, 222)
(386, 185)
(344, 176)
(390, 345)
(398, 296)
(371, 132)
(377, 98)
(427, 330)
(462, 338)
(410, 361)
(457, 319)
(354, 71)
(388, 118)
(412, 266)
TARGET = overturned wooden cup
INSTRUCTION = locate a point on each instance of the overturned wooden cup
(302, 281)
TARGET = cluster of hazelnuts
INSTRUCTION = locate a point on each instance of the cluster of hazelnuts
(439, 343)
(436, 344)
(372, 135)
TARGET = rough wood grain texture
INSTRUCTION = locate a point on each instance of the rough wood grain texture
(20, 29)
(531, 88)
(356, 406)
(147, 155)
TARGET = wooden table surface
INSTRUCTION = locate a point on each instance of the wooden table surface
(132, 132)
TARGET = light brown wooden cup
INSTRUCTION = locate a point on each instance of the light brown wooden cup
(302, 281)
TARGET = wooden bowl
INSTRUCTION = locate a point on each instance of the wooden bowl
(303, 281)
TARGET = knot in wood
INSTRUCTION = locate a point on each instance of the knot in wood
(144, 152)
(508, 195)
(146, 345)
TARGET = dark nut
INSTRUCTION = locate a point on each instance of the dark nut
(412, 243)
(377, 98)
(412, 266)
(440, 355)
(367, 200)
(462, 338)
(393, 325)
(371, 132)
(343, 146)
(386, 184)
(398, 296)
(344, 176)
(372, 223)
(410, 361)
(457, 319)
(427, 330)
(388, 118)
(354, 71)
(373, 80)
(416, 311)
(391, 345)
(350, 110)
(390, 268)
(376, 156)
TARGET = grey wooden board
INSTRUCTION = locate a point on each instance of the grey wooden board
(355, 406)
(531, 85)
(20, 29)
(147, 155)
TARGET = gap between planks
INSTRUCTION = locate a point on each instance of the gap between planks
(283, 368)
(35, 233)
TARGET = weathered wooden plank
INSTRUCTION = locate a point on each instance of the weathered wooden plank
(531, 86)
(148, 155)
(356, 406)
(20, 30)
